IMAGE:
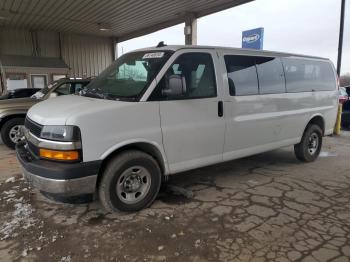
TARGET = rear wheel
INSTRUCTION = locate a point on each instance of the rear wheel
(130, 182)
(310, 145)
(10, 132)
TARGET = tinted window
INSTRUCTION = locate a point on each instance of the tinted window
(198, 71)
(307, 75)
(241, 73)
(64, 89)
(270, 74)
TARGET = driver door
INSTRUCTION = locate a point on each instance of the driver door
(192, 127)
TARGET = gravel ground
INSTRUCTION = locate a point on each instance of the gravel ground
(268, 207)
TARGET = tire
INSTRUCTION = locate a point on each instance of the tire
(130, 182)
(7, 131)
(310, 145)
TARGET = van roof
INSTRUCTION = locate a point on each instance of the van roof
(241, 51)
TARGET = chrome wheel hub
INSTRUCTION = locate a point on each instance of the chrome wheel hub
(133, 185)
(15, 134)
(313, 143)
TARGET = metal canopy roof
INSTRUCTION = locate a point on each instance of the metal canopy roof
(124, 19)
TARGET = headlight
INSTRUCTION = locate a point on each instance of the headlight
(61, 133)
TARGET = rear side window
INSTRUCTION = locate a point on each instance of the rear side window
(242, 76)
(308, 75)
(271, 75)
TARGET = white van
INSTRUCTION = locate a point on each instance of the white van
(160, 111)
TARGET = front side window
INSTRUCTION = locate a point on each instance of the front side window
(197, 70)
(242, 76)
(128, 77)
(64, 89)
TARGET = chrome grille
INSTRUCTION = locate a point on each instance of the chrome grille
(33, 127)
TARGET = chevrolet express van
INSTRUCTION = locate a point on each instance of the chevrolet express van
(160, 111)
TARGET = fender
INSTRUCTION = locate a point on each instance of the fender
(314, 115)
(11, 112)
(135, 141)
(311, 117)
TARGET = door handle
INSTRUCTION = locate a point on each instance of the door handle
(220, 108)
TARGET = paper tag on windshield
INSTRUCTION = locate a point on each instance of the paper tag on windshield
(153, 55)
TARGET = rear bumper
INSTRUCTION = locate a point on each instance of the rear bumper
(60, 179)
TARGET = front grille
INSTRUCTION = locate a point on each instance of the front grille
(33, 149)
(33, 127)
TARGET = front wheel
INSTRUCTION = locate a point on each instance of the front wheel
(310, 145)
(130, 182)
(10, 132)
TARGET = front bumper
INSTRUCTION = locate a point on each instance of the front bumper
(60, 179)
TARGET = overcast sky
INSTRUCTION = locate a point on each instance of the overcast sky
(298, 26)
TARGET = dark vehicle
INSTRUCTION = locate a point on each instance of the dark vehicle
(13, 111)
(343, 95)
(345, 117)
(19, 93)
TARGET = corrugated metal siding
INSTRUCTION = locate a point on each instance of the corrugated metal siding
(86, 55)
(17, 42)
(48, 44)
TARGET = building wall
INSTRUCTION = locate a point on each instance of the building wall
(85, 55)
(15, 42)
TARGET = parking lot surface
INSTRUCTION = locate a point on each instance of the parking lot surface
(268, 207)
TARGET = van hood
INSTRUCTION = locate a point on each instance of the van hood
(59, 110)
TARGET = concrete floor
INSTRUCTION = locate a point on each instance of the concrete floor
(268, 207)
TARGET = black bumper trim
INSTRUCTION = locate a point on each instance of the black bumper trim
(55, 170)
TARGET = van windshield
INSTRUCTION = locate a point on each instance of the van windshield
(128, 77)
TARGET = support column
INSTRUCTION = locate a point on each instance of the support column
(341, 32)
(114, 48)
(190, 30)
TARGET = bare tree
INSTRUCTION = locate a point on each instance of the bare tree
(345, 80)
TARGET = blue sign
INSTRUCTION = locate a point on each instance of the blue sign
(253, 39)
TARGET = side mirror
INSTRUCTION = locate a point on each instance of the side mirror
(175, 86)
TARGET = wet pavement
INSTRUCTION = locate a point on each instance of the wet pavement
(268, 207)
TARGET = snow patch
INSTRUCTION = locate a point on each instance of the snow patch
(10, 180)
(66, 259)
(20, 218)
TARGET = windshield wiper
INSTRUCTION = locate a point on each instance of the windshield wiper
(94, 94)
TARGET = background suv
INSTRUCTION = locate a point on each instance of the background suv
(13, 111)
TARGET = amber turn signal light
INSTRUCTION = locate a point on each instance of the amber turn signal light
(59, 155)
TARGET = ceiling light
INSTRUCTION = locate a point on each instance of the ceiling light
(104, 27)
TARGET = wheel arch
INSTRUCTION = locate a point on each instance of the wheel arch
(151, 148)
(317, 119)
(7, 117)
